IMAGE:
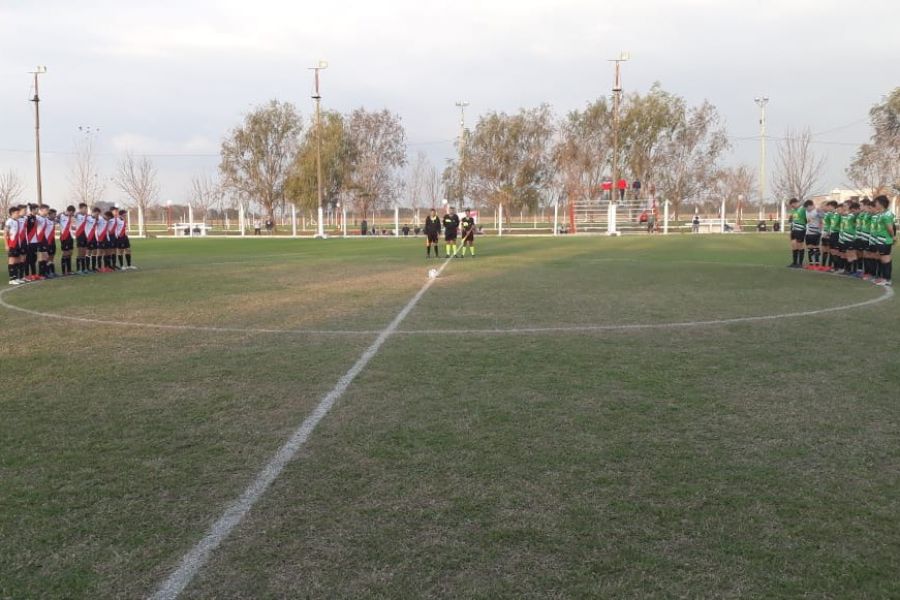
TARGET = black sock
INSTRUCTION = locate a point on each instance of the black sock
(52, 268)
(886, 269)
(794, 257)
(121, 260)
(800, 257)
(128, 259)
(811, 252)
(12, 272)
(42, 267)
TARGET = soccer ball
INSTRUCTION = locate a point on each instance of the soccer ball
(432, 273)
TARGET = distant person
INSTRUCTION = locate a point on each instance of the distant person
(695, 224)
(269, 226)
(364, 227)
(468, 234)
(798, 232)
(405, 230)
(432, 232)
(451, 227)
(257, 227)
(761, 226)
(651, 222)
(813, 240)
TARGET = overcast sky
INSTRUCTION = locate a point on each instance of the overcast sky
(170, 78)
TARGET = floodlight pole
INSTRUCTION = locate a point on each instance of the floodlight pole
(617, 99)
(462, 151)
(318, 98)
(40, 70)
(761, 102)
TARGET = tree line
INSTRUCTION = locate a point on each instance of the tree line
(524, 160)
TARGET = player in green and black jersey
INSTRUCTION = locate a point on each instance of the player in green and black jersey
(848, 237)
(451, 228)
(468, 234)
(432, 232)
(830, 223)
(884, 232)
(798, 232)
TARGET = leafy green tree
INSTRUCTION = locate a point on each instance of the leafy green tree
(377, 152)
(337, 156)
(508, 158)
(876, 165)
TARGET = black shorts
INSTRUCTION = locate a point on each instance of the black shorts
(42, 247)
(883, 249)
(432, 237)
(51, 248)
(32, 248)
(81, 241)
(92, 244)
(103, 244)
(813, 239)
(123, 242)
(835, 239)
(826, 240)
(859, 245)
(67, 244)
(13, 252)
(113, 241)
(798, 235)
(449, 236)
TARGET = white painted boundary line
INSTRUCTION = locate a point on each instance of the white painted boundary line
(197, 556)
(888, 293)
(46, 315)
(586, 328)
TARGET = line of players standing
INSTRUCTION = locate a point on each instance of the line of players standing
(853, 238)
(99, 239)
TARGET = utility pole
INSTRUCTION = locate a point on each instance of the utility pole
(318, 98)
(617, 100)
(462, 151)
(40, 70)
(761, 102)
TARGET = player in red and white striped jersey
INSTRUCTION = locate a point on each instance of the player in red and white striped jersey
(124, 244)
(80, 224)
(90, 233)
(66, 239)
(50, 243)
(13, 251)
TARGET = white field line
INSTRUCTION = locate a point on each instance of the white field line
(586, 328)
(197, 556)
(163, 326)
(888, 293)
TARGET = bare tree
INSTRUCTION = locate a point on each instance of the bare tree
(876, 167)
(734, 182)
(797, 168)
(137, 179)
(11, 188)
(84, 179)
(435, 187)
(378, 141)
(417, 182)
(206, 194)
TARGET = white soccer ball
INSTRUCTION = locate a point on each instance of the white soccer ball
(432, 273)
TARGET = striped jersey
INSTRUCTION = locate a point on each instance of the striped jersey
(798, 218)
(881, 227)
(814, 221)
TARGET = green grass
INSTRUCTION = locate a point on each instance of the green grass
(753, 459)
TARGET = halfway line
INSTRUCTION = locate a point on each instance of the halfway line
(196, 557)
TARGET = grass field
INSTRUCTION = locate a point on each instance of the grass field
(549, 421)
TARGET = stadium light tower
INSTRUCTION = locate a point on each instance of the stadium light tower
(617, 100)
(462, 150)
(318, 98)
(761, 102)
(39, 70)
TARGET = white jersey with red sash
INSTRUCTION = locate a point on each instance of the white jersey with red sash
(49, 232)
(11, 233)
(80, 224)
(22, 236)
(34, 230)
(111, 228)
(100, 229)
(121, 228)
(65, 227)
(90, 223)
